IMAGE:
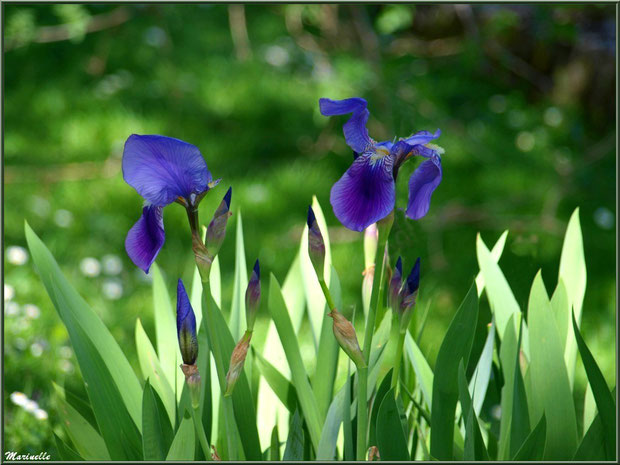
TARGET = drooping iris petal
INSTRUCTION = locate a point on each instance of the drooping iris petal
(422, 137)
(146, 238)
(355, 132)
(365, 193)
(163, 168)
(422, 183)
(186, 326)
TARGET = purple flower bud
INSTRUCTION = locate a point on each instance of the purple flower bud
(216, 232)
(347, 339)
(237, 359)
(396, 284)
(409, 294)
(186, 327)
(316, 245)
(252, 296)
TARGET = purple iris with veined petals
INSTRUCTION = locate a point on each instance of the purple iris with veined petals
(163, 170)
(366, 192)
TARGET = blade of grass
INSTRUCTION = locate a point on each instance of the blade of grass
(165, 328)
(391, 439)
(184, 443)
(534, 446)
(474, 448)
(496, 254)
(237, 310)
(278, 383)
(157, 434)
(482, 374)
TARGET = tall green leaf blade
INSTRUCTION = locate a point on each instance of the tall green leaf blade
(391, 439)
(279, 313)
(482, 374)
(561, 312)
(589, 408)
(327, 357)
(573, 273)
(157, 434)
(184, 443)
(551, 392)
(520, 419)
(423, 372)
(496, 254)
(474, 448)
(65, 452)
(592, 446)
(294, 450)
(165, 327)
(314, 296)
(240, 284)
(534, 446)
(214, 284)
(602, 396)
(278, 383)
(456, 345)
(153, 371)
(384, 387)
(243, 404)
(76, 313)
(501, 299)
(87, 441)
(347, 427)
(274, 448)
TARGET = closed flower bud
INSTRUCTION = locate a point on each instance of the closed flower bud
(347, 339)
(194, 383)
(237, 359)
(252, 296)
(216, 232)
(409, 294)
(396, 282)
(186, 327)
(316, 245)
(371, 239)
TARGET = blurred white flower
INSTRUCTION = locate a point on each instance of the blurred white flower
(276, 55)
(11, 308)
(19, 398)
(9, 292)
(525, 141)
(65, 351)
(112, 264)
(36, 349)
(30, 406)
(496, 412)
(63, 218)
(40, 414)
(90, 267)
(66, 366)
(553, 116)
(16, 255)
(112, 289)
(20, 343)
(40, 206)
(32, 311)
(604, 218)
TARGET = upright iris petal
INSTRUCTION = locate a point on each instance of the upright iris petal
(355, 132)
(365, 193)
(162, 170)
(422, 184)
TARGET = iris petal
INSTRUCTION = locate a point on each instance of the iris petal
(365, 193)
(422, 183)
(355, 132)
(422, 137)
(163, 168)
(146, 238)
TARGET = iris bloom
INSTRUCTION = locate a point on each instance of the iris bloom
(366, 192)
(162, 170)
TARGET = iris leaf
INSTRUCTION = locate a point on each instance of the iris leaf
(237, 310)
(533, 447)
(184, 443)
(391, 439)
(157, 434)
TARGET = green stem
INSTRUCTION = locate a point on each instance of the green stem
(399, 356)
(229, 415)
(328, 296)
(362, 412)
(202, 437)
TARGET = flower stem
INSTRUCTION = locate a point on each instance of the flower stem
(328, 296)
(399, 356)
(202, 437)
(362, 412)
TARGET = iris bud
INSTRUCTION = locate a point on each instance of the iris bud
(252, 297)
(409, 294)
(316, 245)
(216, 232)
(237, 359)
(347, 339)
(396, 283)
(194, 383)
(186, 327)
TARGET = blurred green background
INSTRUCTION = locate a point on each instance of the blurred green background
(524, 96)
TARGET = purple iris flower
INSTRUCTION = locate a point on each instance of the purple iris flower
(366, 192)
(186, 326)
(163, 170)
